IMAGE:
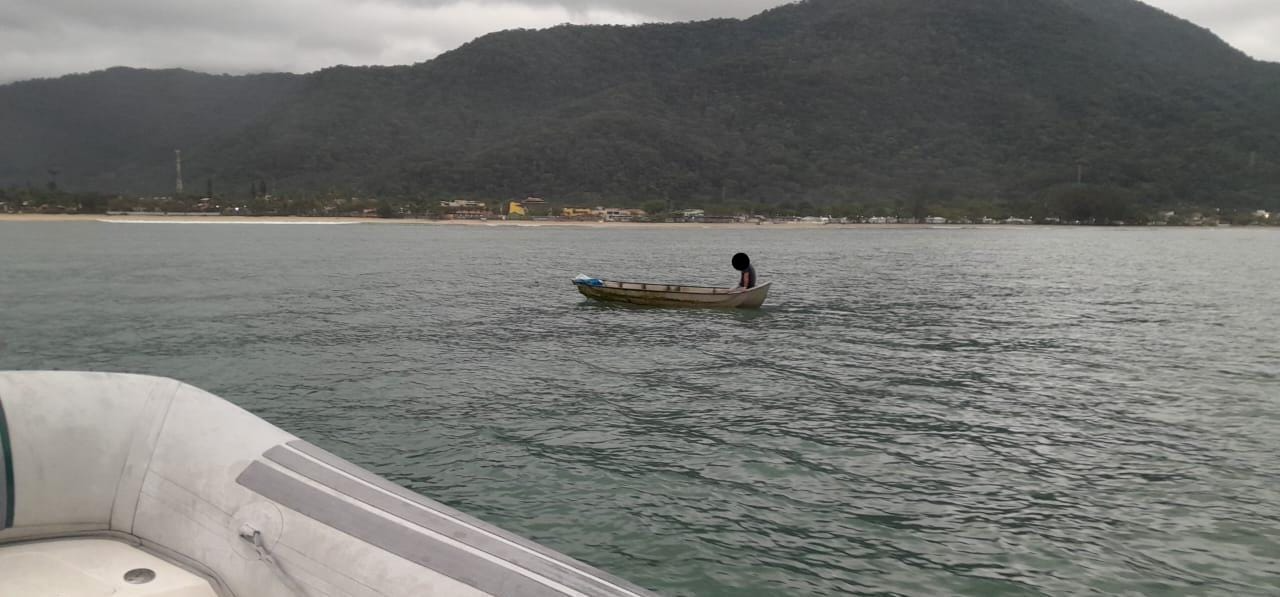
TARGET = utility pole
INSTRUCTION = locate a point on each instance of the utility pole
(1079, 174)
(177, 157)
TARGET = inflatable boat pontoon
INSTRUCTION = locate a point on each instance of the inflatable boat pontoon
(136, 486)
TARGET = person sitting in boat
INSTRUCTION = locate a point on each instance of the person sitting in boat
(747, 279)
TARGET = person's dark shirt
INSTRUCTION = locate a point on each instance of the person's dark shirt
(748, 276)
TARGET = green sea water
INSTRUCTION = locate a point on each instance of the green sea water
(993, 411)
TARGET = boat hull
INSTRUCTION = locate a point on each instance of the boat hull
(682, 297)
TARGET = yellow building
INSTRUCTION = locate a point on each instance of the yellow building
(516, 209)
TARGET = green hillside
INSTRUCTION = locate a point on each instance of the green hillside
(832, 105)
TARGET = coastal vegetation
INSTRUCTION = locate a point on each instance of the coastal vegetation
(1065, 206)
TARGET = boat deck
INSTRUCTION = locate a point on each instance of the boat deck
(648, 287)
(92, 568)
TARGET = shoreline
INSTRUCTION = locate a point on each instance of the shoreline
(160, 218)
(217, 219)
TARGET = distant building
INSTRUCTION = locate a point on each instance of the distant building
(723, 219)
(614, 214)
(688, 216)
(467, 214)
(463, 204)
(1262, 214)
(935, 220)
(580, 213)
(530, 206)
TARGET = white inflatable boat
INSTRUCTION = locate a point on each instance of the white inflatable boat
(134, 486)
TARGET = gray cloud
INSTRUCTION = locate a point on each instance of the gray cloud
(664, 10)
(43, 38)
(1252, 26)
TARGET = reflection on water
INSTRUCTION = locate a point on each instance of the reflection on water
(968, 412)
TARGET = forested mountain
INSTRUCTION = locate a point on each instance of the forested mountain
(89, 131)
(823, 104)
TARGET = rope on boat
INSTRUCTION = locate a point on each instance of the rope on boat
(254, 537)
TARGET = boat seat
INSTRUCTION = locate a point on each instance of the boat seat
(92, 568)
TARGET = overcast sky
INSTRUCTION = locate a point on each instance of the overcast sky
(44, 38)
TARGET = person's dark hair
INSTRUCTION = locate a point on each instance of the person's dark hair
(741, 262)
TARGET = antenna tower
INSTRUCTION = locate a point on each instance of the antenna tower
(177, 157)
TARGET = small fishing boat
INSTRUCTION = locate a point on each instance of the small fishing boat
(138, 486)
(669, 295)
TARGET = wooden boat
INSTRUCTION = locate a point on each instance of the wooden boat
(668, 295)
(136, 486)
